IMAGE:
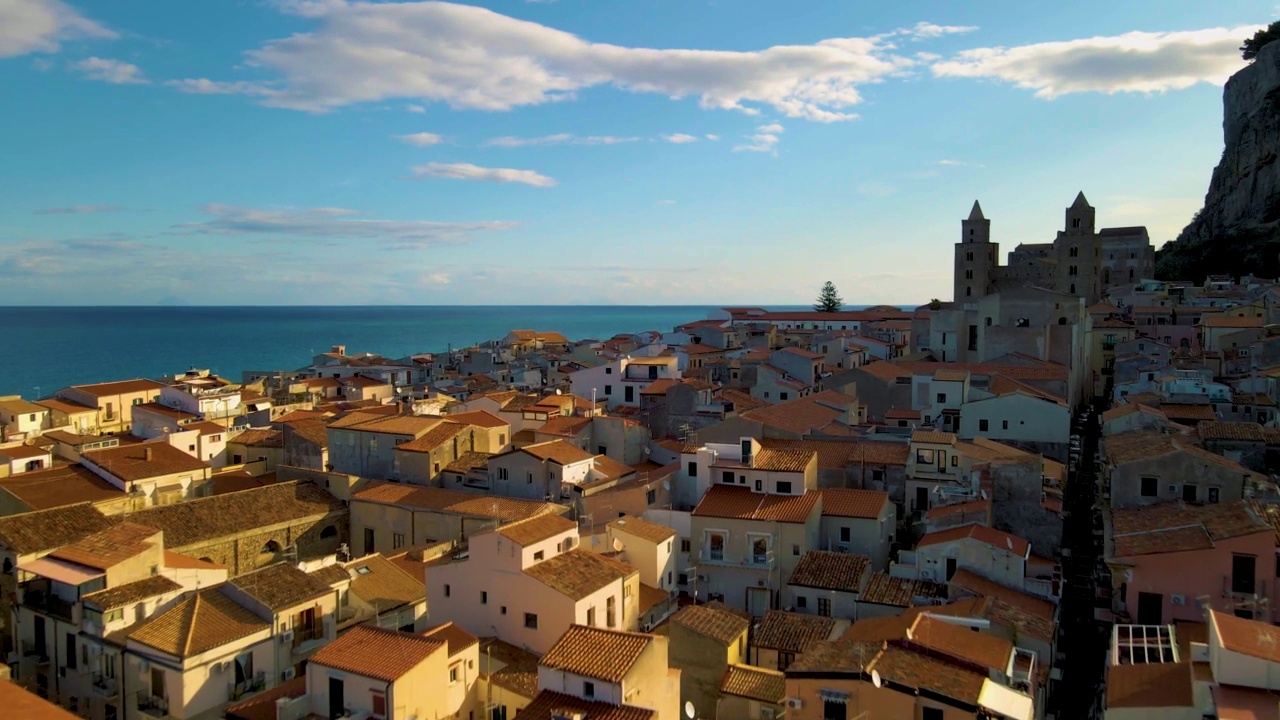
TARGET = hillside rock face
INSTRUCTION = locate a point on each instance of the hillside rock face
(1245, 190)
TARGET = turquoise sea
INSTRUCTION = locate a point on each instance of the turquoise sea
(52, 347)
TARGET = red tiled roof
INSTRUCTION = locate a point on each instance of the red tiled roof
(981, 533)
(850, 502)
(741, 503)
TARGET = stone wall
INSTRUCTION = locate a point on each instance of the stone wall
(243, 553)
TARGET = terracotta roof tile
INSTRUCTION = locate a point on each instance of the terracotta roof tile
(469, 461)
(33, 532)
(598, 653)
(854, 503)
(805, 414)
(740, 502)
(882, 589)
(194, 521)
(557, 451)
(384, 584)
(433, 438)
(980, 648)
(578, 573)
(642, 528)
(262, 706)
(110, 547)
(718, 623)
(281, 585)
(536, 529)
(933, 436)
(144, 460)
(120, 387)
(1028, 604)
(479, 418)
(768, 686)
(792, 632)
(376, 653)
(1150, 685)
(130, 593)
(983, 534)
(840, 454)
(916, 671)
(454, 636)
(606, 468)
(1247, 637)
(1236, 431)
(21, 703)
(452, 501)
(879, 629)
(550, 705)
(59, 487)
(830, 571)
(258, 437)
(790, 460)
(1178, 527)
(198, 623)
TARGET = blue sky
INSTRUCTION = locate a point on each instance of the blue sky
(582, 151)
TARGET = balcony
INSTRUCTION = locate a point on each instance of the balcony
(753, 561)
(105, 687)
(306, 638)
(33, 649)
(248, 687)
(152, 707)
(46, 602)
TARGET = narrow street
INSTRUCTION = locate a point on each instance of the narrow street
(1082, 640)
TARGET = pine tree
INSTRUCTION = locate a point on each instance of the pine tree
(1254, 44)
(828, 300)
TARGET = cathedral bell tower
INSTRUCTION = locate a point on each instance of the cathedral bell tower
(976, 258)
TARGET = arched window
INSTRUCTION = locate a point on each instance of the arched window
(272, 547)
(988, 321)
(328, 532)
(1073, 288)
(8, 566)
(1062, 321)
(968, 291)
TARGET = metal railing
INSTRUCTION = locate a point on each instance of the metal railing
(104, 686)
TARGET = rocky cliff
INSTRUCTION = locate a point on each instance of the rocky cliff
(1236, 230)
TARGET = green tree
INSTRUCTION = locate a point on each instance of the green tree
(1254, 44)
(828, 300)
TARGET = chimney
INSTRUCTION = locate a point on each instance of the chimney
(146, 454)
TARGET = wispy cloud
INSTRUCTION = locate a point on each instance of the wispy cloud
(334, 224)
(559, 139)
(1142, 62)
(680, 138)
(929, 31)
(28, 26)
(418, 109)
(711, 137)
(467, 171)
(111, 71)
(204, 86)
(474, 58)
(80, 209)
(764, 140)
(422, 139)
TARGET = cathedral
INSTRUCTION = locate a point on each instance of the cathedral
(1081, 261)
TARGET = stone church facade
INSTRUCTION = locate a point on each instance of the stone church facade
(1082, 261)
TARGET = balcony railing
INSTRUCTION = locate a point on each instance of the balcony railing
(248, 687)
(30, 648)
(153, 706)
(762, 562)
(47, 603)
(304, 635)
(104, 686)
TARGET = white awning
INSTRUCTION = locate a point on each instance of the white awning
(63, 572)
(1005, 701)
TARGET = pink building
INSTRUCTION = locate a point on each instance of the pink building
(1166, 559)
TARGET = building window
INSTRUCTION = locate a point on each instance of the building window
(844, 534)
(502, 473)
(531, 621)
(795, 550)
(538, 555)
(379, 703)
(453, 675)
(1004, 424)
(1150, 487)
(484, 597)
(1215, 494)
(726, 476)
(784, 487)
(824, 607)
(802, 601)
(397, 540)
(650, 497)
(983, 425)
(693, 469)
(588, 689)
(608, 390)
(502, 610)
(684, 545)
(942, 397)
(591, 617)
(446, 589)
(715, 546)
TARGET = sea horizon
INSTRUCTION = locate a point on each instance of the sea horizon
(68, 345)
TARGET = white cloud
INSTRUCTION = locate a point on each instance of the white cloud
(28, 26)
(711, 137)
(765, 139)
(422, 139)
(415, 109)
(474, 58)
(928, 31)
(950, 163)
(335, 224)
(1143, 62)
(111, 71)
(680, 138)
(558, 139)
(437, 278)
(467, 171)
(79, 209)
(204, 86)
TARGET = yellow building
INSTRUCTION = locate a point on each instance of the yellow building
(385, 673)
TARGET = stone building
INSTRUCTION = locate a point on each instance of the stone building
(1081, 261)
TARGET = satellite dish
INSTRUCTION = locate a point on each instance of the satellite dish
(666, 485)
(559, 391)
(617, 545)
(875, 678)
(688, 710)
